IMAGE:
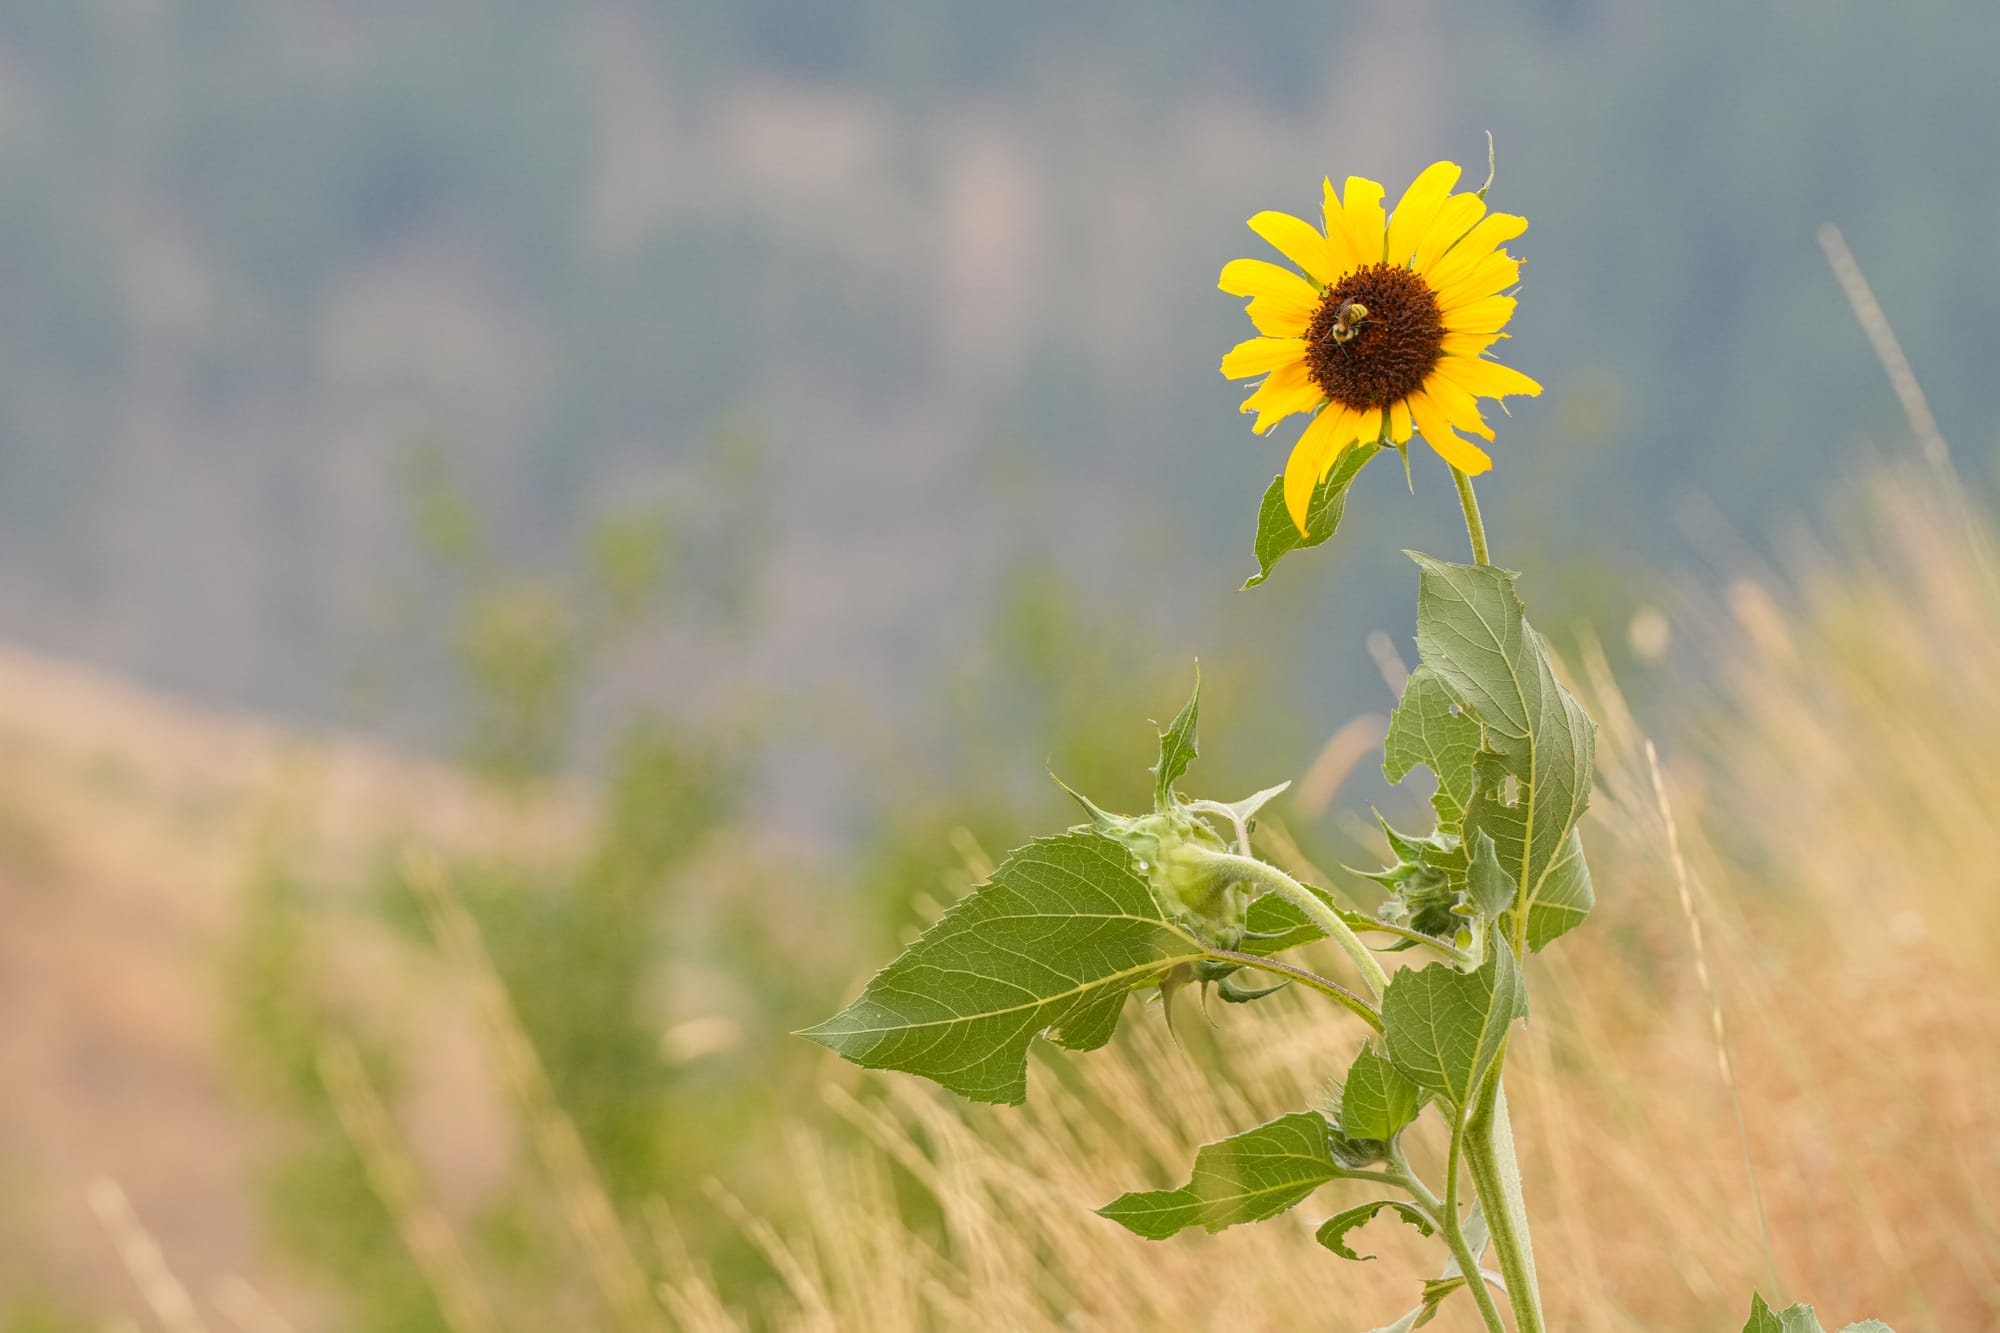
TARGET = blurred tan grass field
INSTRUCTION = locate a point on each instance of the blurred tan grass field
(1834, 811)
(1830, 790)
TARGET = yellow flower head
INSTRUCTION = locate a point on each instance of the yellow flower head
(1383, 335)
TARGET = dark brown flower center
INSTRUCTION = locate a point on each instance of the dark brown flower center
(1383, 355)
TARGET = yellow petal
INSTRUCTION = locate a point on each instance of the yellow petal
(1318, 445)
(1455, 217)
(1338, 247)
(1283, 302)
(1469, 344)
(1286, 390)
(1368, 424)
(1459, 407)
(1361, 212)
(1487, 379)
(1418, 208)
(1265, 280)
(1494, 230)
(1487, 315)
(1467, 457)
(1256, 356)
(1495, 273)
(1278, 319)
(1298, 241)
(1399, 422)
(1462, 454)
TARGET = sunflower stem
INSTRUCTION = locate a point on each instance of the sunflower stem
(1454, 1229)
(1475, 527)
(1496, 1176)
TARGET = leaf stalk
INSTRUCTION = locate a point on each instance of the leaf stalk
(1445, 948)
(1333, 990)
(1270, 879)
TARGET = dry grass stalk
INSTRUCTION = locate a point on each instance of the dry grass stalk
(1716, 1024)
(140, 1252)
(244, 1306)
(399, 1184)
(608, 1254)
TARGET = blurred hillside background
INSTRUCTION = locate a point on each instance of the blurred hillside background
(679, 475)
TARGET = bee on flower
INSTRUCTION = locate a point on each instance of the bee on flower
(1384, 335)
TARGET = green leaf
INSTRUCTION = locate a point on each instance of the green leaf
(1278, 536)
(1486, 883)
(1429, 728)
(1798, 1319)
(1177, 748)
(1564, 898)
(1376, 1101)
(1532, 778)
(1446, 1282)
(1052, 944)
(1444, 1027)
(1332, 1233)
(1244, 1178)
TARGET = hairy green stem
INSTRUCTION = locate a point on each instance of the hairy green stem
(1455, 954)
(1489, 1152)
(1488, 1138)
(1333, 990)
(1273, 880)
(1390, 1178)
(1401, 1175)
(1454, 1230)
(1475, 527)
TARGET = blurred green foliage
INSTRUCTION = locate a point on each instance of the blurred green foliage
(39, 1314)
(677, 904)
(586, 954)
(317, 1200)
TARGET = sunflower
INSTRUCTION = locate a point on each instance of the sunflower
(1384, 335)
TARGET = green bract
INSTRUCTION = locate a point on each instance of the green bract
(1167, 848)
